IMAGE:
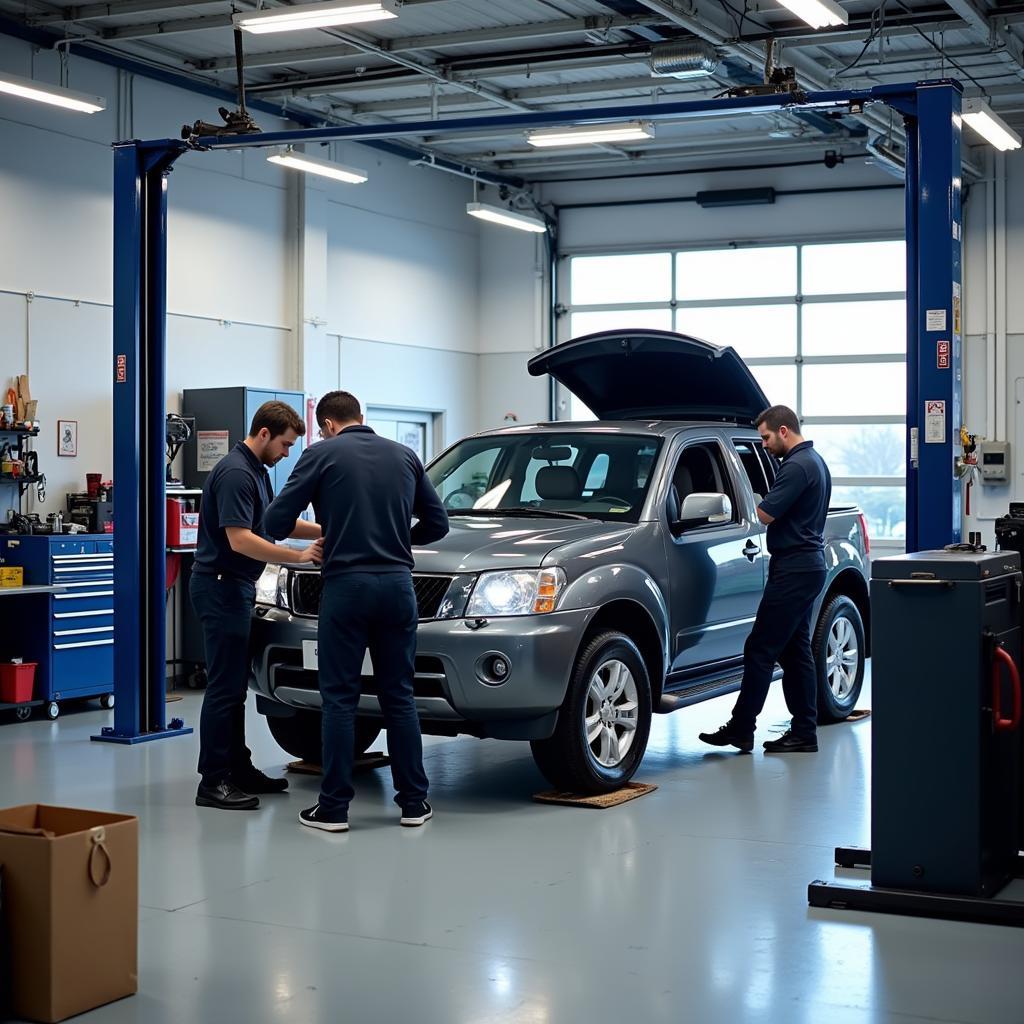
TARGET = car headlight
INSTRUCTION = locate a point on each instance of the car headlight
(272, 586)
(533, 592)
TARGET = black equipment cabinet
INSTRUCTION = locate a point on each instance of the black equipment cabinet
(946, 751)
(944, 804)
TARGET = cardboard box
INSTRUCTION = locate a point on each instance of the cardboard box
(70, 899)
(12, 575)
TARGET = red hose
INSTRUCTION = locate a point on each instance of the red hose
(1005, 724)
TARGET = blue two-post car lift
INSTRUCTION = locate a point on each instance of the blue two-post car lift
(931, 115)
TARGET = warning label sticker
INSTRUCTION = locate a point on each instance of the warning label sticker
(934, 422)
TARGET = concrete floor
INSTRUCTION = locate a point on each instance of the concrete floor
(686, 905)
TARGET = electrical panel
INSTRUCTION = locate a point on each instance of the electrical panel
(994, 461)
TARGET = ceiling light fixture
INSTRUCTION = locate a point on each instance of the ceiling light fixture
(321, 15)
(55, 95)
(315, 165)
(589, 134)
(508, 218)
(989, 125)
(818, 13)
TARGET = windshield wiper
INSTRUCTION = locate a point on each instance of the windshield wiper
(494, 512)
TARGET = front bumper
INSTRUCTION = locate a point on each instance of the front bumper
(451, 695)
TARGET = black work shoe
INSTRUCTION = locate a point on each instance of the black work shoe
(252, 780)
(729, 736)
(226, 796)
(315, 818)
(788, 743)
(416, 814)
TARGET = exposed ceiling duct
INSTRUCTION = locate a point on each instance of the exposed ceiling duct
(684, 58)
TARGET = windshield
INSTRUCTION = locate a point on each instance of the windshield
(592, 474)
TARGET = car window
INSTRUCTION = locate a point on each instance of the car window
(592, 473)
(770, 464)
(467, 481)
(701, 470)
(753, 466)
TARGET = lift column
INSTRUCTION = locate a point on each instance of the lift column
(140, 312)
(934, 230)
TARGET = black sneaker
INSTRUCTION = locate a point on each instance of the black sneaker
(252, 780)
(416, 814)
(226, 796)
(729, 736)
(788, 743)
(315, 818)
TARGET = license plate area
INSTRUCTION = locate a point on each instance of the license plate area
(311, 661)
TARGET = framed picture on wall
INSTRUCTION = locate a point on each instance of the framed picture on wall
(67, 438)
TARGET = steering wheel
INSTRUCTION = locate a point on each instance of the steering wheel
(613, 497)
(464, 497)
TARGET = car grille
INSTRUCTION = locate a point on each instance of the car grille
(307, 589)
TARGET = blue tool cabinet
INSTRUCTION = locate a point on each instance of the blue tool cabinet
(73, 640)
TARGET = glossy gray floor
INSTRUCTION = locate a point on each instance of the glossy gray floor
(686, 905)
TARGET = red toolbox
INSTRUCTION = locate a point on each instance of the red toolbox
(182, 523)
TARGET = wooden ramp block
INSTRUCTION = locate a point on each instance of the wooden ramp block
(858, 716)
(366, 763)
(630, 791)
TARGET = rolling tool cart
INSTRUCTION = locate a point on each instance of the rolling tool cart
(73, 641)
(946, 753)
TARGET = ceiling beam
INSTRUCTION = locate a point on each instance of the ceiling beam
(981, 27)
(90, 12)
(443, 40)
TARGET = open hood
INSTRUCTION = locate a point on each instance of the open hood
(646, 374)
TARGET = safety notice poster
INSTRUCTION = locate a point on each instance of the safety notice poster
(934, 422)
(211, 447)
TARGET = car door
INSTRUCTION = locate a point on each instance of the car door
(716, 572)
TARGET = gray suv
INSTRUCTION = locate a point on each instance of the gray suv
(595, 573)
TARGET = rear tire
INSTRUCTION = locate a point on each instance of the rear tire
(300, 735)
(838, 648)
(605, 721)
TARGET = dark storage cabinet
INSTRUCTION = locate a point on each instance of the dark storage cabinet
(945, 792)
(232, 409)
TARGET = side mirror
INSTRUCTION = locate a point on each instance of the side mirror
(705, 510)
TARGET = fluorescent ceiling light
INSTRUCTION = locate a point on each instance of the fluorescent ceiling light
(509, 218)
(818, 13)
(29, 89)
(989, 125)
(315, 165)
(323, 15)
(588, 134)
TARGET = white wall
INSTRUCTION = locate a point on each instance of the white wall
(993, 301)
(399, 268)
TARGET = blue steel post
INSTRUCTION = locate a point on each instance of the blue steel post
(935, 318)
(140, 311)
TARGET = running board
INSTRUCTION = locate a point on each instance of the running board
(676, 699)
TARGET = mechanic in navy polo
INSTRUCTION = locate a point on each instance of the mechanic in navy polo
(366, 490)
(794, 512)
(232, 553)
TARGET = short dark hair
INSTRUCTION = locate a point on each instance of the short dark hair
(339, 406)
(277, 417)
(779, 416)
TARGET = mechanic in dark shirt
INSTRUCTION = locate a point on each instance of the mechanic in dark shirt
(794, 511)
(365, 491)
(233, 550)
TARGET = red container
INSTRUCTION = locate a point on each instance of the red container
(182, 524)
(17, 682)
(92, 484)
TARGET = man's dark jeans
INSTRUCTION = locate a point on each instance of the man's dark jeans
(374, 611)
(782, 633)
(224, 606)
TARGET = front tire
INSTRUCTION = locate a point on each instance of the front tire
(838, 648)
(300, 735)
(605, 721)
